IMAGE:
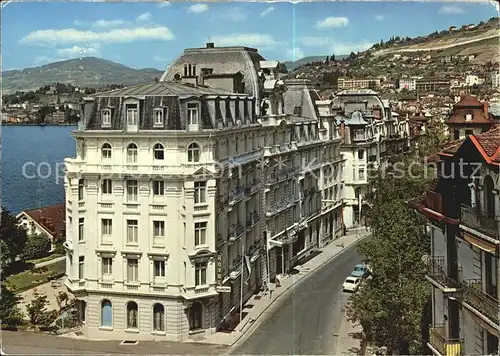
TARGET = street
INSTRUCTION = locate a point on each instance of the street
(308, 320)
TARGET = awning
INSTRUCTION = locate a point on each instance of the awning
(483, 245)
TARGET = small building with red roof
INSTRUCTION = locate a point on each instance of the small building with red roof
(468, 116)
(49, 221)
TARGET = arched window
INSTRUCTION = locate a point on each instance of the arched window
(193, 153)
(132, 312)
(158, 317)
(196, 316)
(106, 313)
(159, 151)
(158, 117)
(106, 151)
(132, 153)
(489, 197)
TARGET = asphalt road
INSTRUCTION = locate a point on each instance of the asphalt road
(307, 320)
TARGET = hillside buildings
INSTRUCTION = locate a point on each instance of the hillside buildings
(368, 83)
(47, 221)
(184, 198)
(463, 212)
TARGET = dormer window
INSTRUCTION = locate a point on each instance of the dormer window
(193, 116)
(468, 116)
(297, 110)
(158, 115)
(106, 118)
(132, 111)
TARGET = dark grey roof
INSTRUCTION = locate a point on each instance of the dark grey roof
(163, 89)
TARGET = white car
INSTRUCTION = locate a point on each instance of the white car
(351, 284)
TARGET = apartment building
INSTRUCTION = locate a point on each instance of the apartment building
(462, 210)
(184, 198)
(432, 84)
(408, 83)
(371, 83)
(468, 116)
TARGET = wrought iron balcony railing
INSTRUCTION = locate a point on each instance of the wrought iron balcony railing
(481, 301)
(482, 222)
(437, 271)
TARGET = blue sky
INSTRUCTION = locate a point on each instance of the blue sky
(147, 34)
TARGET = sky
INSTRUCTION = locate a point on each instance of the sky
(152, 35)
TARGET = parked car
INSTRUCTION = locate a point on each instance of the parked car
(351, 284)
(360, 271)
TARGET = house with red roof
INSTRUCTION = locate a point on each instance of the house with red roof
(469, 116)
(462, 210)
(49, 221)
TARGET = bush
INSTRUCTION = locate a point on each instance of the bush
(37, 246)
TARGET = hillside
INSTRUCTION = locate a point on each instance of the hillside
(83, 72)
(293, 65)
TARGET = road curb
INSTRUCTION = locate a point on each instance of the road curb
(247, 334)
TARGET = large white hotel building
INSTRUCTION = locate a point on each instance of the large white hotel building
(219, 174)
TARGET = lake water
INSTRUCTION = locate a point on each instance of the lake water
(33, 165)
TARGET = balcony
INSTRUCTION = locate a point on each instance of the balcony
(281, 148)
(482, 222)
(253, 219)
(236, 232)
(445, 346)
(434, 201)
(281, 175)
(240, 159)
(235, 267)
(236, 195)
(437, 275)
(484, 303)
(280, 206)
(252, 188)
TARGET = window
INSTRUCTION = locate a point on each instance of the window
(196, 316)
(106, 118)
(361, 174)
(200, 192)
(107, 266)
(200, 233)
(159, 151)
(193, 153)
(132, 153)
(158, 187)
(456, 134)
(106, 313)
(159, 268)
(158, 117)
(132, 190)
(132, 231)
(106, 151)
(132, 270)
(132, 114)
(80, 228)
(297, 110)
(361, 154)
(159, 229)
(81, 265)
(158, 317)
(107, 187)
(81, 183)
(192, 113)
(200, 273)
(132, 315)
(107, 226)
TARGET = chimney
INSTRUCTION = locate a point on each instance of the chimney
(485, 107)
(156, 80)
(342, 129)
(210, 45)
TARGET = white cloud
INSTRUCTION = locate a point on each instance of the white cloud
(379, 17)
(73, 36)
(267, 11)
(79, 23)
(77, 51)
(331, 46)
(144, 17)
(235, 14)
(109, 23)
(197, 8)
(164, 4)
(450, 9)
(245, 39)
(295, 54)
(332, 22)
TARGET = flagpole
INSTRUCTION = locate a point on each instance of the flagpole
(241, 279)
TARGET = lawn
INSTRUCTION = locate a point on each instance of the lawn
(30, 279)
(44, 259)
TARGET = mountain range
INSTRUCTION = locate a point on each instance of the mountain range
(83, 72)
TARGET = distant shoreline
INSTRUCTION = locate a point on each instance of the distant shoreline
(32, 124)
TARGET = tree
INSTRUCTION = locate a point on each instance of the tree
(434, 138)
(37, 246)
(12, 240)
(38, 313)
(391, 305)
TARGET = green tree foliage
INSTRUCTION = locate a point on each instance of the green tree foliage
(37, 246)
(435, 137)
(392, 303)
(37, 311)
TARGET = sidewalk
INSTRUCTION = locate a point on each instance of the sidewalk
(49, 262)
(260, 303)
